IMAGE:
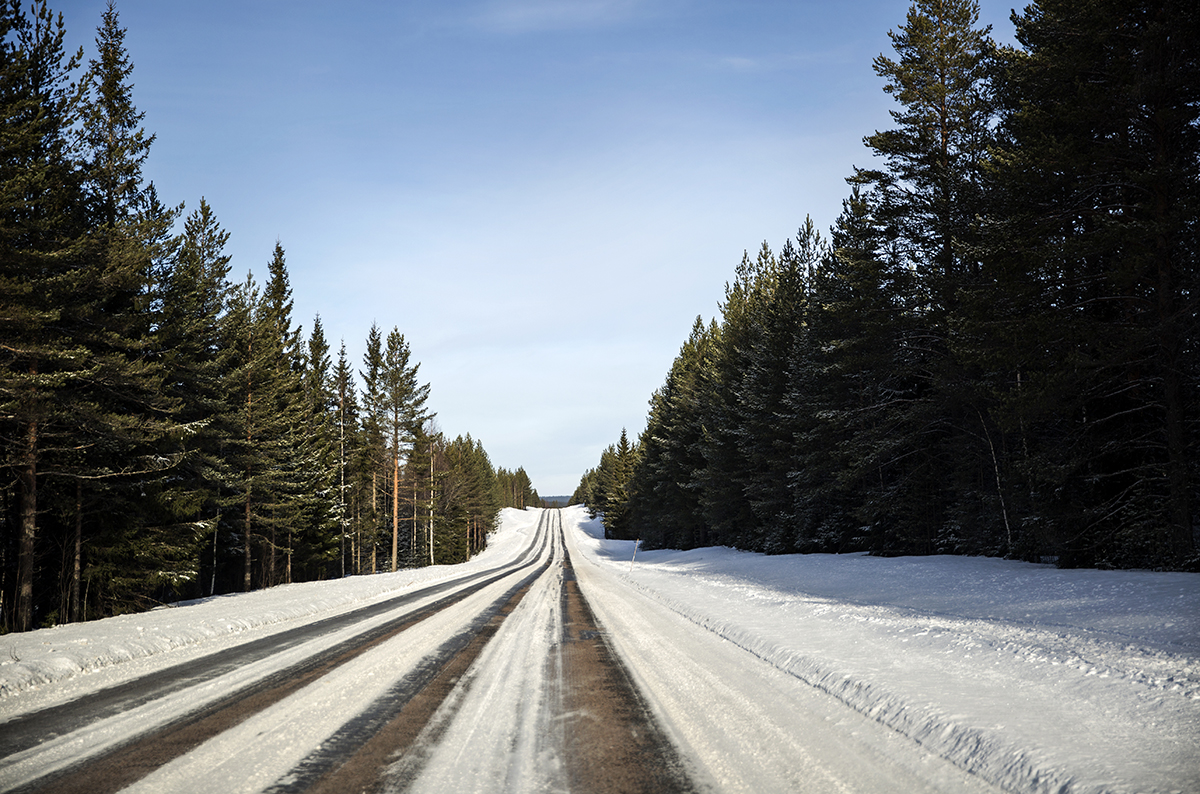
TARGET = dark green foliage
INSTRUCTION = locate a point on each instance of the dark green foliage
(515, 489)
(997, 353)
(605, 489)
(348, 437)
(403, 418)
(1094, 250)
(615, 472)
(195, 294)
(723, 481)
(43, 226)
(664, 504)
(467, 500)
(164, 434)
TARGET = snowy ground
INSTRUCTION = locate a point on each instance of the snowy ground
(1035, 678)
(81, 657)
(1032, 678)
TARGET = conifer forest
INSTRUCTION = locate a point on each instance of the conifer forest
(167, 431)
(995, 350)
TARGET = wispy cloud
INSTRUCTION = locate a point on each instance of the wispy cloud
(525, 16)
(783, 61)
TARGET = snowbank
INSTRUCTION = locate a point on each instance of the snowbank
(1036, 678)
(49, 655)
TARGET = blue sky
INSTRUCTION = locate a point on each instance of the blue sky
(542, 195)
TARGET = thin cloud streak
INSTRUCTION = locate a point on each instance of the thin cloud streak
(536, 16)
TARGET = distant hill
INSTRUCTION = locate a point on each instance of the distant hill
(556, 501)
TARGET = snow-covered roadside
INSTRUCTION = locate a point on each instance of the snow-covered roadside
(112, 649)
(1035, 678)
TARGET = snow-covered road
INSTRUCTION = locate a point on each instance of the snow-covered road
(806, 674)
(382, 650)
(745, 725)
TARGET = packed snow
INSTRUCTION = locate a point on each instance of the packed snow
(80, 657)
(1029, 677)
(1034, 678)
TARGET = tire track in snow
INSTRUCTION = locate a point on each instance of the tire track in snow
(352, 760)
(563, 711)
(118, 764)
(614, 744)
(530, 698)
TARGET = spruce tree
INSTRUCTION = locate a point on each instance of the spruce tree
(43, 235)
(316, 527)
(373, 451)
(664, 500)
(288, 470)
(1094, 247)
(262, 386)
(616, 469)
(926, 199)
(347, 430)
(130, 416)
(402, 399)
(197, 362)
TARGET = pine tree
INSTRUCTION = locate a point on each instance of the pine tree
(42, 243)
(728, 514)
(453, 501)
(664, 500)
(926, 200)
(586, 493)
(465, 501)
(1093, 246)
(346, 424)
(244, 379)
(130, 416)
(767, 428)
(402, 399)
(516, 489)
(418, 487)
(857, 387)
(483, 504)
(932, 187)
(373, 450)
(263, 385)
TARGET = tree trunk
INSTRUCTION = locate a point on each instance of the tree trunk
(246, 541)
(212, 586)
(77, 572)
(431, 504)
(395, 506)
(28, 480)
(371, 539)
(1169, 346)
